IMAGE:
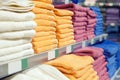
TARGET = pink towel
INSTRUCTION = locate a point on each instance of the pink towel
(79, 36)
(92, 21)
(80, 24)
(91, 25)
(79, 28)
(91, 13)
(90, 29)
(79, 19)
(79, 40)
(80, 31)
(99, 60)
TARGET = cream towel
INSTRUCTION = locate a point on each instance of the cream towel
(13, 16)
(18, 34)
(38, 74)
(13, 43)
(14, 26)
(53, 72)
(12, 50)
(16, 55)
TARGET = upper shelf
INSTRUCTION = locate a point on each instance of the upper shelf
(16, 65)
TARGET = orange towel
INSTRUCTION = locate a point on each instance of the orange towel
(46, 1)
(43, 5)
(63, 12)
(64, 35)
(70, 77)
(72, 62)
(43, 43)
(41, 34)
(63, 21)
(66, 39)
(63, 17)
(61, 44)
(44, 38)
(45, 16)
(45, 28)
(45, 23)
(45, 48)
(42, 11)
(64, 26)
(93, 76)
(63, 31)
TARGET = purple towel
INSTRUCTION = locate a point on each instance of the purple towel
(112, 10)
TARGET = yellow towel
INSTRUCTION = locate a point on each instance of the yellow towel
(70, 77)
(45, 23)
(46, 1)
(72, 62)
(43, 5)
(45, 28)
(61, 44)
(41, 34)
(43, 43)
(64, 35)
(93, 76)
(63, 21)
(44, 38)
(45, 48)
(63, 12)
(66, 39)
(64, 26)
(42, 11)
(63, 17)
(63, 31)
(45, 16)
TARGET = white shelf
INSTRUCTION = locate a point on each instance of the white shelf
(16, 65)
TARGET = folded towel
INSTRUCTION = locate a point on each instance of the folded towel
(63, 17)
(80, 19)
(43, 34)
(55, 73)
(16, 55)
(42, 11)
(91, 25)
(43, 23)
(79, 32)
(80, 24)
(63, 21)
(63, 12)
(79, 14)
(64, 35)
(66, 39)
(45, 28)
(13, 16)
(79, 28)
(44, 38)
(63, 31)
(64, 26)
(91, 21)
(14, 26)
(40, 4)
(45, 48)
(46, 1)
(61, 44)
(13, 43)
(91, 13)
(43, 43)
(17, 34)
(38, 74)
(70, 62)
(12, 50)
(45, 16)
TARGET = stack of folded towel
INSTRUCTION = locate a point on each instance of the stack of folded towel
(99, 63)
(112, 16)
(99, 22)
(16, 30)
(79, 20)
(64, 28)
(110, 50)
(45, 38)
(75, 67)
(91, 24)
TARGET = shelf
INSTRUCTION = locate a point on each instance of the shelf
(13, 66)
(117, 75)
(112, 24)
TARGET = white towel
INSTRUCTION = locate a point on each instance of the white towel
(21, 77)
(18, 34)
(12, 43)
(12, 50)
(36, 73)
(52, 71)
(16, 55)
(14, 26)
(13, 16)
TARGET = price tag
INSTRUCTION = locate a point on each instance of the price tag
(101, 4)
(14, 67)
(83, 44)
(101, 38)
(112, 24)
(68, 49)
(92, 41)
(51, 54)
(110, 4)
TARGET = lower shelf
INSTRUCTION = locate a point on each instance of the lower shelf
(16, 65)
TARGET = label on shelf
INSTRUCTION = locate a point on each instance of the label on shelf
(51, 54)
(112, 24)
(24, 63)
(68, 49)
(101, 4)
(101, 38)
(83, 44)
(92, 41)
(14, 67)
(110, 4)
